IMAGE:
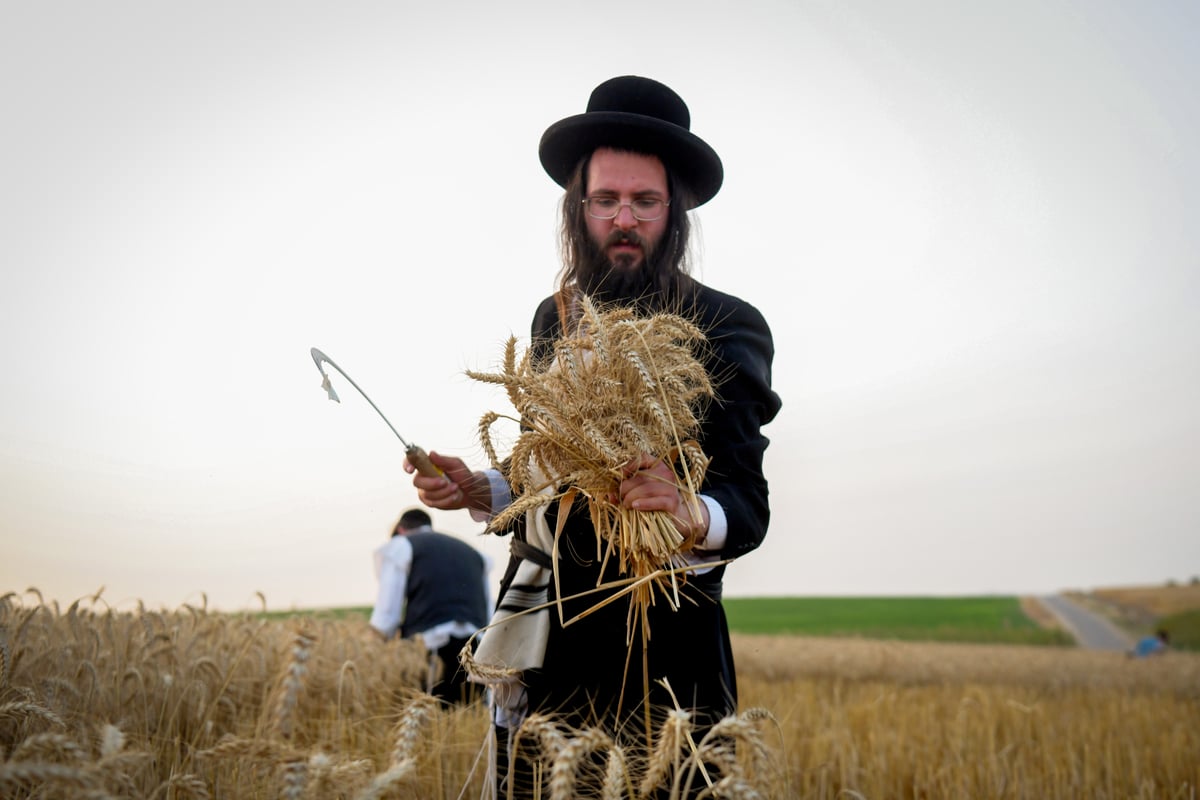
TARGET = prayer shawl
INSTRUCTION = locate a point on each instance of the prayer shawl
(515, 639)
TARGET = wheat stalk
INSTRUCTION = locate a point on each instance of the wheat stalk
(666, 757)
(25, 709)
(383, 783)
(716, 748)
(488, 673)
(732, 786)
(293, 682)
(51, 748)
(547, 733)
(181, 785)
(571, 754)
(332, 778)
(616, 783)
(255, 749)
(295, 778)
(34, 774)
(416, 717)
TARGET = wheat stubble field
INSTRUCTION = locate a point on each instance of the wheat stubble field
(96, 703)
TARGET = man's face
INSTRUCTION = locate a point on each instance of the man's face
(626, 242)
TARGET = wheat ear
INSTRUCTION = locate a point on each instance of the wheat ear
(24, 709)
(293, 682)
(383, 783)
(182, 785)
(415, 718)
(36, 774)
(295, 778)
(616, 775)
(256, 749)
(667, 754)
(51, 748)
(715, 748)
(574, 750)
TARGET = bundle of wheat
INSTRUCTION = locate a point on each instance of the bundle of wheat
(620, 386)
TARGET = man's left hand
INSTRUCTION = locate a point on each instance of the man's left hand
(651, 485)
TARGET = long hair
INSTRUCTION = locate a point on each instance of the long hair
(667, 271)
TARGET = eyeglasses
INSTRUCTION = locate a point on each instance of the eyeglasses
(644, 209)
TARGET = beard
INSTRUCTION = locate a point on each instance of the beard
(619, 281)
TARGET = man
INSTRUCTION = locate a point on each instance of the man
(632, 170)
(436, 586)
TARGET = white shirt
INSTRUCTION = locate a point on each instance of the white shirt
(393, 560)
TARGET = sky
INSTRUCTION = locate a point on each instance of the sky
(971, 226)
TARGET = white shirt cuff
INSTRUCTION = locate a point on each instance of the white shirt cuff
(718, 525)
(501, 496)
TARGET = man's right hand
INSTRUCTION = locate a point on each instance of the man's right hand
(458, 487)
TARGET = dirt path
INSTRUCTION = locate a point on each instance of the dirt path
(1091, 630)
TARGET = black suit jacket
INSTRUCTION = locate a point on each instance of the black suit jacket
(590, 666)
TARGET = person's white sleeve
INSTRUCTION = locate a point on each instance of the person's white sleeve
(718, 525)
(393, 566)
(501, 496)
(718, 532)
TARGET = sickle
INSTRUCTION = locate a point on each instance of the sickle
(416, 456)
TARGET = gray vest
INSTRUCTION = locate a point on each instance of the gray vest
(445, 583)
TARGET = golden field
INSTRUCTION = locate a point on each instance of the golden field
(906, 720)
(1154, 600)
(193, 704)
(1141, 609)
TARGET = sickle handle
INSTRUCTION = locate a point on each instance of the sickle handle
(420, 459)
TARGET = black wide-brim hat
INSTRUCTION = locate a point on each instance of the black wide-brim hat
(638, 114)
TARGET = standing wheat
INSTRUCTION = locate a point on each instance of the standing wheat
(416, 717)
(293, 682)
(667, 755)
(295, 778)
(571, 755)
(616, 775)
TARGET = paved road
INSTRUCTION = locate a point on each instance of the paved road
(1091, 630)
